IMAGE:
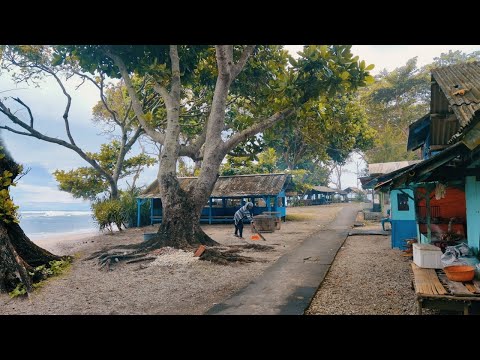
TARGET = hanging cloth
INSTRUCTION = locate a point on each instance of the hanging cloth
(440, 191)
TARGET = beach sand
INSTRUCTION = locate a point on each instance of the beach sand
(175, 283)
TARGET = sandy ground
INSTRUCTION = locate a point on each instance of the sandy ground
(175, 283)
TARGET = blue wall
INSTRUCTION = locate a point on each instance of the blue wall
(402, 215)
(472, 197)
(404, 225)
(402, 230)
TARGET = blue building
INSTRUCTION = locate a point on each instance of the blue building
(444, 187)
(265, 191)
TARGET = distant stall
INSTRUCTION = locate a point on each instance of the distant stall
(265, 191)
(320, 195)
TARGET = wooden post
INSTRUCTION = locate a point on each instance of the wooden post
(210, 211)
(419, 306)
(151, 211)
(139, 205)
(427, 205)
(269, 207)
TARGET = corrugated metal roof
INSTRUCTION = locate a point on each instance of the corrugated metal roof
(417, 171)
(452, 78)
(231, 186)
(418, 132)
(384, 168)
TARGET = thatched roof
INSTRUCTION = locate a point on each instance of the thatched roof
(231, 186)
(323, 189)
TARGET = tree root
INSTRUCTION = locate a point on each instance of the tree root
(142, 259)
(226, 257)
(108, 257)
(256, 247)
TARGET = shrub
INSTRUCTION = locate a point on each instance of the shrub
(108, 212)
(128, 200)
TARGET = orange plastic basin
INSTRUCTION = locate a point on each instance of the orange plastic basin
(255, 237)
(460, 273)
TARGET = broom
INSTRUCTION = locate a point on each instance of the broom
(257, 235)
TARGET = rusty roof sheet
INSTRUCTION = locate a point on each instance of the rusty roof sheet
(385, 168)
(453, 78)
(231, 186)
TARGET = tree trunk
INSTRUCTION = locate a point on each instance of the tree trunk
(18, 255)
(180, 226)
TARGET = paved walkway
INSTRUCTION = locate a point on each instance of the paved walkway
(288, 286)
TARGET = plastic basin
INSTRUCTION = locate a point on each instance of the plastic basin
(460, 273)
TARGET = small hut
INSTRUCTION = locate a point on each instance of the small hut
(265, 191)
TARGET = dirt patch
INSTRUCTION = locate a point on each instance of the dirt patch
(174, 283)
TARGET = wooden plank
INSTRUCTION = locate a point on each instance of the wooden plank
(470, 287)
(456, 288)
(426, 281)
(476, 283)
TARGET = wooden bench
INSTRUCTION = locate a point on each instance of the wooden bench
(434, 290)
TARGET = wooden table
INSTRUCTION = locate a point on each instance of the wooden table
(434, 290)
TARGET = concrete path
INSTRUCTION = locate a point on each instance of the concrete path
(288, 286)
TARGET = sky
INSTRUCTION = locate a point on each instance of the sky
(38, 190)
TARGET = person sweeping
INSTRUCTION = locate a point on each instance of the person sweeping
(242, 213)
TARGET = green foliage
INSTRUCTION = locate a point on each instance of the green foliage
(41, 273)
(53, 268)
(128, 201)
(19, 290)
(328, 129)
(8, 210)
(87, 183)
(454, 57)
(271, 81)
(108, 212)
(397, 99)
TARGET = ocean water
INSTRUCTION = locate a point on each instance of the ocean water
(38, 224)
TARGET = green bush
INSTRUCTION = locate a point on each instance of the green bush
(129, 208)
(108, 212)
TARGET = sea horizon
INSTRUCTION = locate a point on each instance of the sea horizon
(41, 224)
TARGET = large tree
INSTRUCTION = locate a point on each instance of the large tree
(228, 94)
(19, 257)
(397, 99)
(33, 63)
(330, 130)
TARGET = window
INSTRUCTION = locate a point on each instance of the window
(402, 202)
(235, 202)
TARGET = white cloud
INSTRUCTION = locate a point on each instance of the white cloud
(392, 56)
(27, 193)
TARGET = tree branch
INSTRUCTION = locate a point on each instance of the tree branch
(34, 133)
(164, 94)
(67, 107)
(224, 54)
(28, 109)
(176, 86)
(256, 128)
(137, 107)
(238, 67)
